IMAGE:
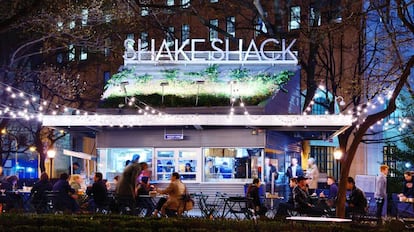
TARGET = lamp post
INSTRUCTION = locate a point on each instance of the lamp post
(51, 154)
(338, 154)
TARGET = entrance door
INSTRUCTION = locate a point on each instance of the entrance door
(185, 161)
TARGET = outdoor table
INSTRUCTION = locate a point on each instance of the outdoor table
(407, 207)
(237, 206)
(272, 202)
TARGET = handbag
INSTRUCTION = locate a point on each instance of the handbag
(188, 201)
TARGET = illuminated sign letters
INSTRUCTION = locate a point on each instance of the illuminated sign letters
(186, 53)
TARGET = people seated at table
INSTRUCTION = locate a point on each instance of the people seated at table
(125, 189)
(333, 192)
(66, 198)
(302, 201)
(173, 203)
(356, 201)
(13, 199)
(143, 199)
(284, 207)
(97, 194)
(253, 193)
(408, 186)
(76, 182)
(37, 193)
(145, 172)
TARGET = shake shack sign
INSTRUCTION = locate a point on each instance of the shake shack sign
(250, 53)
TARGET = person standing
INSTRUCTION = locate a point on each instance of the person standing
(381, 191)
(313, 175)
(294, 170)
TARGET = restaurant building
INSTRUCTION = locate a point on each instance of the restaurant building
(214, 148)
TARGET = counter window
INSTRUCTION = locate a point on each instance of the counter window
(177, 160)
(112, 161)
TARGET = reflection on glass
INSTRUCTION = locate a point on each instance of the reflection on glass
(231, 163)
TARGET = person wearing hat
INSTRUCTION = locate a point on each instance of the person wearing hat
(302, 201)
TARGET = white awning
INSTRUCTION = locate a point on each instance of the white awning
(201, 120)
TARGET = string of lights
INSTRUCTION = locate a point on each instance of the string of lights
(360, 112)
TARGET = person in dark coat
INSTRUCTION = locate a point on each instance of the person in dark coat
(294, 170)
(253, 193)
(357, 202)
(66, 199)
(284, 207)
(98, 193)
(38, 193)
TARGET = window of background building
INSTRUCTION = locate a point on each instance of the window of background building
(72, 24)
(85, 13)
(144, 11)
(71, 54)
(213, 1)
(213, 34)
(231, 25)
(231, 163)
(185, 3)
(60, 26)
(144, 40)
(170, 2)
(389, 158)
(294, 21)
(107, 49)
(83, 54)
(325, 160)
(185, 32)
(170, 36)
(260, 27)
(314, 17)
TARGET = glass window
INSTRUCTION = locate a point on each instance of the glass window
(112, 160)
(144, 11)
(314, 17)
(231, 25)
(83, 54)
(84, 17)
(183, 161)
(213, 34)
(170, 2)
(144, 40)
(294, 22)
(170, 36)
(185, 32)
(213, 1)
(232, 163)
(71, 55)
(260, 27)
(185, 3)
